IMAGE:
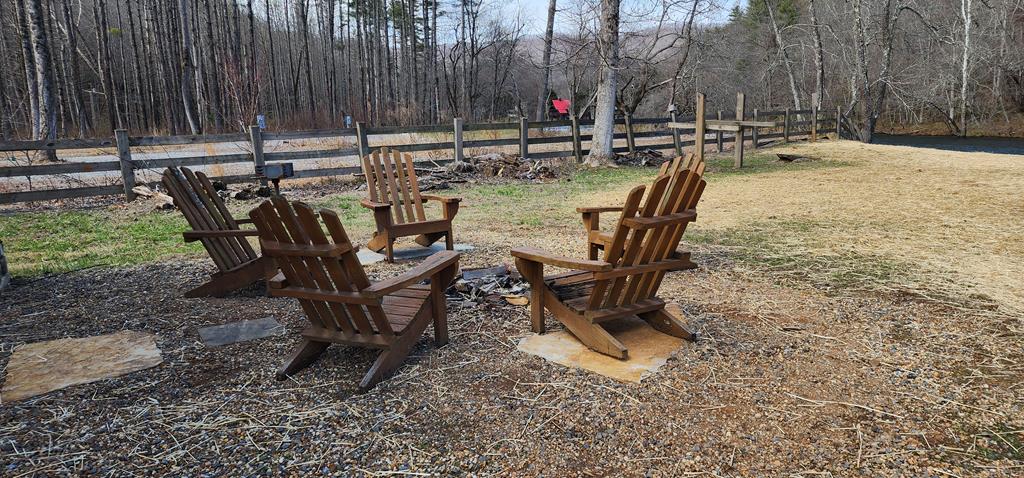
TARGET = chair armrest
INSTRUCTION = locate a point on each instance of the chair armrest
(444, 199)
(430, 266)
(545, 257)
(368, 204)
(599, 209)
(191, 236)
(652, 222)
(274, 248)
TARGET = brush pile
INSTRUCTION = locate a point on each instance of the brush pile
(641, 157)
(488, 166)
(491, 284)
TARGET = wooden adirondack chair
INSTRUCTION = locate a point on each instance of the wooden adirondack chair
(626, 281)
(341, 304)
(398, 205)
(238, 265)
(598, 240)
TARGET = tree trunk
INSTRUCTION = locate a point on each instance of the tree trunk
(188, 83)
(965, 14)
(793, 87)
(601, 153)
(819, 57)
(104, 64)
(28, 60)
(549, 33)
(36, 19)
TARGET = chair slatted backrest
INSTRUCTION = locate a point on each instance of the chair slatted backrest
(634, 244)
(391, 178)
(279, 224)
(204, 210)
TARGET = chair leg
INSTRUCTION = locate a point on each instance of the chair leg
(668, 324)
(392, 357)
(378, 242)
(592, 335)
(390, 250)
(593, 251)
(426, 240)
(440, 310)
(449, 241)
(533, 272)
(223, 284)
(301, 357)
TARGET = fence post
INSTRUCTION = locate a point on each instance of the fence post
(753, 132)
(577, 145)
(361, 142)
(741, 104)
(458, 140)
(124, 154)
(524, 137)
(814, 117)
(256, 139)
(630, 143)
(785, 127)
(675, 132)
(698, 131)
(718, 134)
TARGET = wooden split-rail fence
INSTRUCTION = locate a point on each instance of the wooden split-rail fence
(533, 138)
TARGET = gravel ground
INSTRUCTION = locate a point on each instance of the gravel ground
(784, 381)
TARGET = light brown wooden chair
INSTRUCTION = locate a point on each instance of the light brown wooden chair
(626, 281)
(341, 304)
(238, 265)
(394, 197)
(598, 240)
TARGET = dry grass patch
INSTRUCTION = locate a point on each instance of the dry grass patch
(941, 224)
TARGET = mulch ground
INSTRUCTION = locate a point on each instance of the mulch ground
(783, 380)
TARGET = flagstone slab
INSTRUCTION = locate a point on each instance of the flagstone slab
(648, 350)
(367, 256)
(234, 332)
(42, 367)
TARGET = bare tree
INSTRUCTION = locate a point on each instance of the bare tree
(601, 152)
(549, 33)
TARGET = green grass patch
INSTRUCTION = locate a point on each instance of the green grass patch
(721, 165)
(48, 242)
(793, 251)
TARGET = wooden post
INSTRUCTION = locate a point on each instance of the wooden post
(124, 154)
(785, 127)
(458, 140)
(361, 141)
(630, 143)
(675, 132)
(256, 140)
(698, 139)
(577, 145)
(753, 133)
(524, 137)
(814, 117)
(741, 103)
(718, 135)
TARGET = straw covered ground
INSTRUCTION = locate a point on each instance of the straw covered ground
(859, 314)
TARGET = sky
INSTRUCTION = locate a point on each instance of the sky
(535, 12)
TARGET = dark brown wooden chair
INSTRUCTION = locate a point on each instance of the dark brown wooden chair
(598, 240)
(341, 304)
(626, 281)
(394, 197)
(238, 265)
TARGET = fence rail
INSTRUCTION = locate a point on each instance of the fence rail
(525, 134)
